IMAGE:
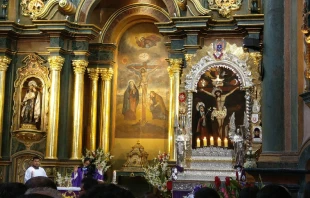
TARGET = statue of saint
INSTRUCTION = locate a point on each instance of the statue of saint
(239, 147)
(31, 104)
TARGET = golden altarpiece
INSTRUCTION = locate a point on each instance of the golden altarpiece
(183, 77)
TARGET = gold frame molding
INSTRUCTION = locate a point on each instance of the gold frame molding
(32, 70)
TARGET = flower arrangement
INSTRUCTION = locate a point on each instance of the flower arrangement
(63, 181)
(158, 175)
(228, 189)
(99, 158)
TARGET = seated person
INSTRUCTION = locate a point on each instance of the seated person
(88, 170)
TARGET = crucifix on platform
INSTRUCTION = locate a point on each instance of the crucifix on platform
(142, 71)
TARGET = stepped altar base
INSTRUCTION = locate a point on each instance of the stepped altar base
(202, 166)
(207, 162)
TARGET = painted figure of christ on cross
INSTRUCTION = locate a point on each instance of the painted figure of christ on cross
(142, 71)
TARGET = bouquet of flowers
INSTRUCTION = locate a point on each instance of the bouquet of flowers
(63, 181)
(158, 176)
(99, 158)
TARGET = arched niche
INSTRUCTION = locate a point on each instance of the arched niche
(231, 74)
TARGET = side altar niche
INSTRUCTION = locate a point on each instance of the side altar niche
(221, 92)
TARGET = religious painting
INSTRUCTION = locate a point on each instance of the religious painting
(142, 92)
(257, 134)
(218, 97)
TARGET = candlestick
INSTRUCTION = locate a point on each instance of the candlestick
(198, 142)
(225, 142)
(219, 142)
(204, 141)
(211, 141)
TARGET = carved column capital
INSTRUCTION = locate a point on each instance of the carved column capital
(188, 57)
(106, 74)
(79, 66)
(175, 64)
(4, 62)
(93, 73)
(56, 62)
(257, 57)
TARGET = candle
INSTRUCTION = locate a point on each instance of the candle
(114, 177)
(198, 142)
(211, 141)
(225, 142)
(219, 142)
(204, 141)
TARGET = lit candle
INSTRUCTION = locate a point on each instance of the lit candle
(204, 141)
(225, 142)
(219, 142)
(211, 141)
(198, 142)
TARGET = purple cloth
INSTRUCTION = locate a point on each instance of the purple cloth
(81, 172)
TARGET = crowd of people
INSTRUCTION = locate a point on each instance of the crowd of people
(90, 181)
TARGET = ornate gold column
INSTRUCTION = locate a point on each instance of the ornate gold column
(94, 76)
(171, 113)
(174, 68)
(79, 67)
(4, 62)
(106, 75)
(56, 63)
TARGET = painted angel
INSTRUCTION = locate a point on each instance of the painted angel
(148, 41)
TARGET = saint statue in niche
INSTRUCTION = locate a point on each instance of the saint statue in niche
(31, 104)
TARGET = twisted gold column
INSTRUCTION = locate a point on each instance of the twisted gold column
(94, 75)
(4, 62)
(171, 113)
(174, 69)
(56, 63)
(106, 75)
(79, 67)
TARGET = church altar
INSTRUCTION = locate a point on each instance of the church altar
(69, 191)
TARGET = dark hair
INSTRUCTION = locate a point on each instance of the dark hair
(273, 191)
(12, 189)
(206, 192)
(88, 183)
(40, 181)
(35, 157)
(256, 129)
(86, 159)
(108, 190)
(249, 192)
(35, 196)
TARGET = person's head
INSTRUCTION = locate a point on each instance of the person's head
(273, 191)
(206, 192)
(32, 84)
(43, 192)
(108, 190)
(217, 93)
(87, 183)
(256, 132)
(36, 162)
(86, 161)
(249, 192)
(131, 84)
(152, 94)
(12, 189)
(40, 181)
(201, 108)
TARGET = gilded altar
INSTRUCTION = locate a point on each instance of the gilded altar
(220, 115)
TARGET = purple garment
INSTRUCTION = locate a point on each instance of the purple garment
(81, 172)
